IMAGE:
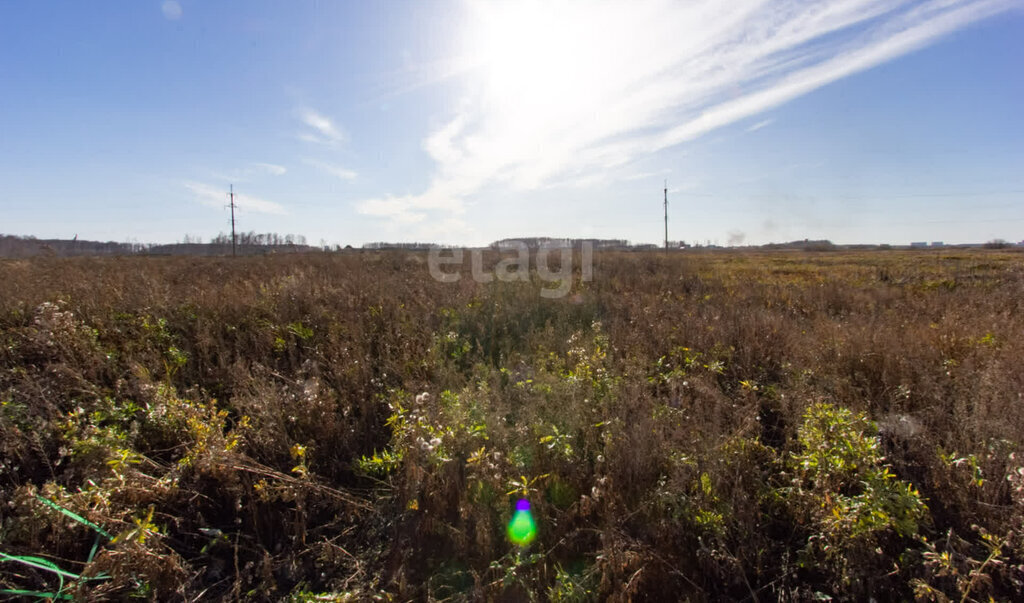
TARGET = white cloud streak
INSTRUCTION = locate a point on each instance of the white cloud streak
(216, 196)
(271, 168)
(760, 124)
(319, 128)
(340, 172)
(567, 91)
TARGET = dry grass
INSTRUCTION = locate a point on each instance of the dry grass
(775, 426)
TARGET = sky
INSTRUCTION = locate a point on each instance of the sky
(466, 121)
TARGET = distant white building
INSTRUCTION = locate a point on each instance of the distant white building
(938, 244)
(919, 244)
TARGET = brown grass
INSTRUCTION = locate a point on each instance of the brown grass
(768, 426)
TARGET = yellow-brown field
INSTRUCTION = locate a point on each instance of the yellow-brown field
(703, 426)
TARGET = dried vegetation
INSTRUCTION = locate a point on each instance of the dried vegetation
(783, 426)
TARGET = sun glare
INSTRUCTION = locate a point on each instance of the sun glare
(535, 59)
(547, 75)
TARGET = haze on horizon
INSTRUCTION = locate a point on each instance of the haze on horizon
(465, 121)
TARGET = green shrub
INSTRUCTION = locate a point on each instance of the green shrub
(844, 491)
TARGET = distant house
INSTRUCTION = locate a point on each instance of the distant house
(919, 244)
(938, 244)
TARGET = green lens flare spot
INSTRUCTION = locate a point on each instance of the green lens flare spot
(522, 529)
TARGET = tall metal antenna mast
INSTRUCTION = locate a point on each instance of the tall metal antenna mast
(666, 214)
(232, 194)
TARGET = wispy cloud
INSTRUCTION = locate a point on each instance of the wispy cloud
(319, 128)
(409, 209)
(760, 124)
(216, 196)
(337, 171)
(271, 168)
(567, 91)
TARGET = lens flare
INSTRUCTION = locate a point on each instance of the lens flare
(522, 529)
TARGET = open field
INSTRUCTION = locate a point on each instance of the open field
(773, 426)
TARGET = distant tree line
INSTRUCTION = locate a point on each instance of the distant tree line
(530, 242)
(248, 243)
(403, 246)
(12, 246)
(266, 239)
(253, 243)
(554, 242)
(806, 245)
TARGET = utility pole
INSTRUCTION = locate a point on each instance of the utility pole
(232, 195)
(666, 214)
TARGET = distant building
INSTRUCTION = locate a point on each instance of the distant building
(938, 244)
(919, 244)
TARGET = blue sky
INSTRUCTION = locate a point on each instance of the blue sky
(465, 121)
